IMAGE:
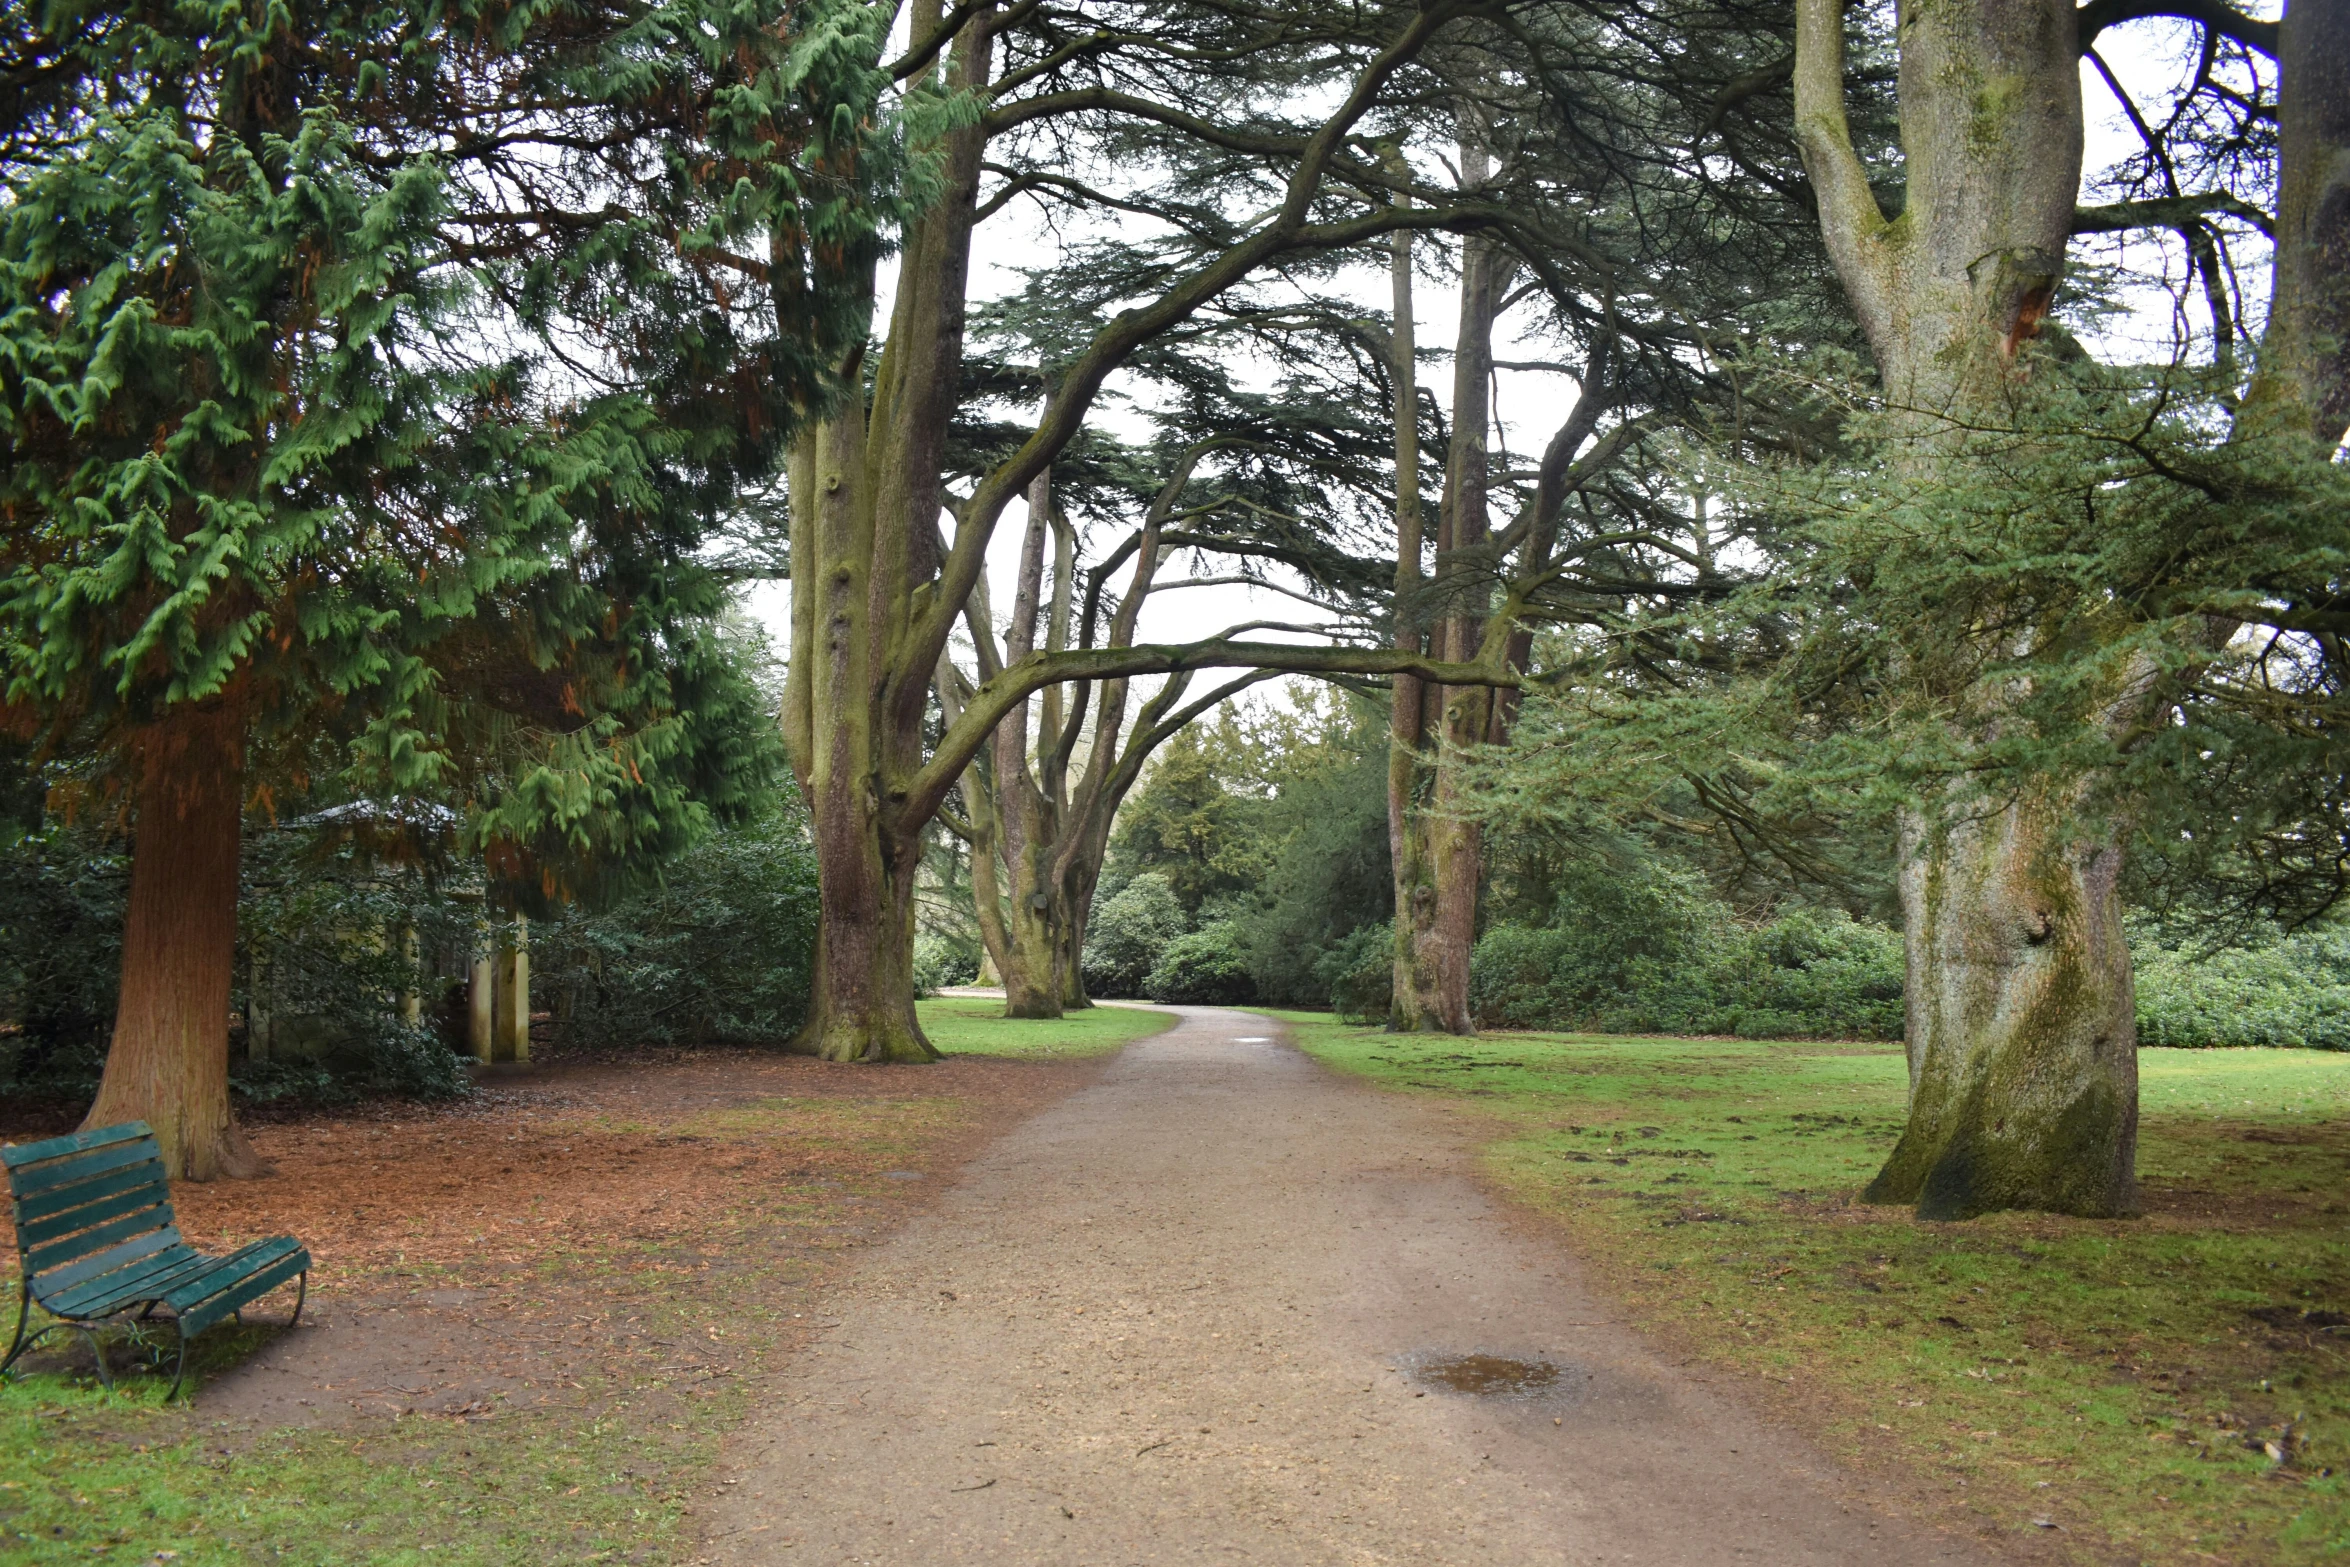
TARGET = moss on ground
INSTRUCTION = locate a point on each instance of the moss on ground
(2177, 1386)
(88, 1476)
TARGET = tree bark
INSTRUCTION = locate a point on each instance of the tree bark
(1415, 1003)
(2304, 375)
(865, 498)
(862, 1006)
(1456, 847)
(2022, 1024)
(168, 1063)
(1034, 918)
(2022, 1015)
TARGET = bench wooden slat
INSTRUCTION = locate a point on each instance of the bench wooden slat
(40, 1259)
(81, 1167)
(146, 1280)
(246, 1276)
(95, 1232)
(225, 1271)
(32, 1232)
(60, 1199)
(137, 1286)
(14, 1154)
(122, 1256)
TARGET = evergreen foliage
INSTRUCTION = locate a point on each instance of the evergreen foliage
(260, 456)
(1205, 967)
(1128, 934)
(720, 951)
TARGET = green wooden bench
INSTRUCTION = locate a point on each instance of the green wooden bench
(95, 1237)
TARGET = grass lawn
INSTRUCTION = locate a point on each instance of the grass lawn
(976, 1025)
(2173, 1388)
(669, 1244)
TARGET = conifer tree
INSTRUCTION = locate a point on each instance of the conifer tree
(2021, 1007)
(286, 451)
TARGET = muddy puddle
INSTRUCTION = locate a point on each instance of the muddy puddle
(1486, 1376)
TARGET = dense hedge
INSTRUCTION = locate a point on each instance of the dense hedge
(722, 952)
(719, 951)
(1808, 974)
(2292, 991)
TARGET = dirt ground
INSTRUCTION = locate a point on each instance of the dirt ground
(484, 1256)
(1221, 1305)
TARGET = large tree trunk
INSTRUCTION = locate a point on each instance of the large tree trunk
(168, 1064)
(1456, 852)
(2022, 1017)
(2023, 1041)
(865, 500)
(2304, 377)
(1415, 1005)
(1034, 916)
(863, 1005)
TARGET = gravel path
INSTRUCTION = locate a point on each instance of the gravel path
(1197, 1312)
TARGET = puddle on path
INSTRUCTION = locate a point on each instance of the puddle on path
(1487, 1376)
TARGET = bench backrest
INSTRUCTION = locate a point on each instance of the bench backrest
(88, 1203)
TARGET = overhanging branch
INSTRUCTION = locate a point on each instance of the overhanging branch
(997, 697)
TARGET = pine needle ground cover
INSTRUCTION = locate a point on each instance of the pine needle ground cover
(555, 1299)
(2174, 1388)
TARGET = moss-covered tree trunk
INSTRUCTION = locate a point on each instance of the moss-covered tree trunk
(865, 498)
(2304, 379)
(2021, 1024)
(1437, 851)
(862, 1008)
(168, 1064)
(2021, 1010)
(1464, 584)
(1028, 816)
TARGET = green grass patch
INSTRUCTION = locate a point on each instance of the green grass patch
(125, 1478)
(2177, 1385)
(976, 1026)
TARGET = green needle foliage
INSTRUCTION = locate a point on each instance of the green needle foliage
(370, 377)
(335, 390)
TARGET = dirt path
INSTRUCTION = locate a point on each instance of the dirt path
(1196, 1312)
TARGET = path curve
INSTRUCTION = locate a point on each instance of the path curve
(1176, 1317)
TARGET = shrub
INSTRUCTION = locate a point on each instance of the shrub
(1358, 974)
(1205, 968)
(722, 952)
(1128, 934)
(1808, 974)
(939, 962)
(326, 923)
(2290, 990)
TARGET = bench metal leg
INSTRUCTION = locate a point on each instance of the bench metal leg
(301, 1294)
(97, 1352)
(179, 1370)
(24, 1313)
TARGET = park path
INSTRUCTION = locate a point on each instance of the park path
(1187, 1315)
